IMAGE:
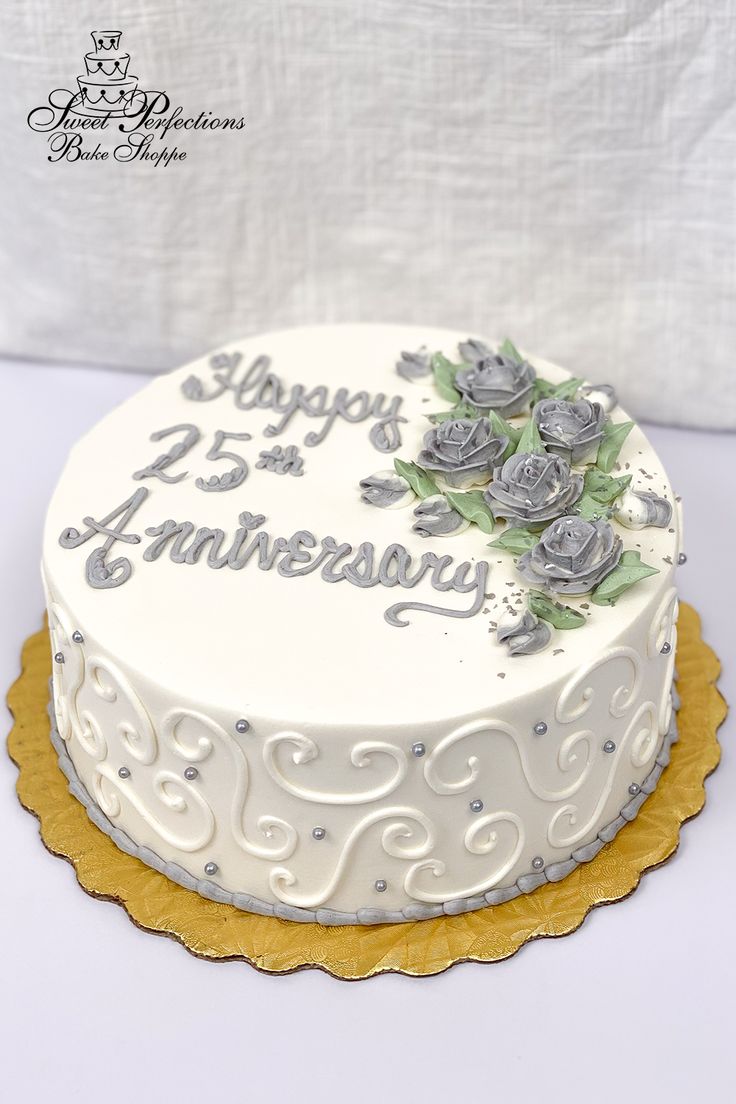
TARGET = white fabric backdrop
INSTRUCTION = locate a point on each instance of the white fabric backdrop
(561, 171)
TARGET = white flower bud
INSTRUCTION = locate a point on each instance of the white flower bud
(601, 393)
(436, 518)
(637, 509)
(387, 489)
(522, 632)
(416, 367)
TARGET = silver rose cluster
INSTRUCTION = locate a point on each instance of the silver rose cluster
(519, 450)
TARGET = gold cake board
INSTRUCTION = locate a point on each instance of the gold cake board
(221, 932)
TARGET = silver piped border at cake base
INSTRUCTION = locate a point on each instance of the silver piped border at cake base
(555, 872)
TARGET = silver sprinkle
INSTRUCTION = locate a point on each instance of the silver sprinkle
(210, 868)
(418, 750)
(59, 657)
(609, 747)
(319, 833)
(538, 862)
(540, 728)
(634, 789)
(242, 725)
(381, 885)
(124, 772)
(476, 805)
(191, 773)
(77, 637)
(682, 558)
(666, 648)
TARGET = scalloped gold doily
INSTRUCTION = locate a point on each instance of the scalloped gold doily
(222, 932)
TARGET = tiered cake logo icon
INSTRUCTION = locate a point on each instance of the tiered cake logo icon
(106, 88)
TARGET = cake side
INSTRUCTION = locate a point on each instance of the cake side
(407, 823)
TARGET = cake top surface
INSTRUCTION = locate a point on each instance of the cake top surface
(272, 454)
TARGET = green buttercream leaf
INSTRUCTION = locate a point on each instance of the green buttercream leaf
(562, 617)
(472, 506)
(567, 389)
(509, 349)
(420, 481)
(591, 508)
(629, 571)
(543, 389)
(501, 428)
(605, 488)
(600, 492)
(530, 441)
(444, 377)
(460, 410)
(515, 541)
(614, 435)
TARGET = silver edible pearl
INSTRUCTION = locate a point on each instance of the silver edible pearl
(381, 886)
(634, 789)
(77, 637)
(540, 728)
(319, 833)
(242, 725)
(418, 750)
(476, 806)
(682, 558)
(609, 747)
(59, 657)
(191, 773)
(666, 648)
(210, 868)
(124, 772)
(538, 862)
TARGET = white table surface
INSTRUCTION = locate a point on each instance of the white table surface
(638, 1004)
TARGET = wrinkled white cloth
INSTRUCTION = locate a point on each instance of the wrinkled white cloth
(558, 172)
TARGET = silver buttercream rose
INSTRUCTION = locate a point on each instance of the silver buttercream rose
(462, 452)
(531, 489)
(573, 555)
(436, 518)
(523, 633)
(573, 430)
(497, 382)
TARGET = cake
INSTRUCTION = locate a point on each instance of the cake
(106, 88)
(363, 624)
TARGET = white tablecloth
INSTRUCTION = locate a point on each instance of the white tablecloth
(637, 1005)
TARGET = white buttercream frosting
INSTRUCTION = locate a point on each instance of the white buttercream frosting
(335, 696)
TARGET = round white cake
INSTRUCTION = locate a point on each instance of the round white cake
(343, 641)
